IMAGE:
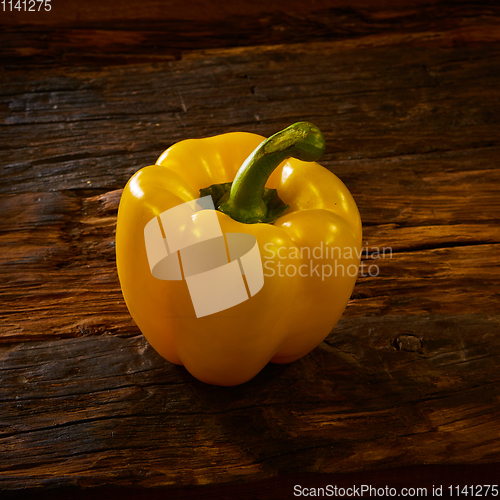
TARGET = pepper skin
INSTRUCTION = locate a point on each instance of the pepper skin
(299, 303)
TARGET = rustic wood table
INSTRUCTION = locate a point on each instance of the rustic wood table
(404, 392)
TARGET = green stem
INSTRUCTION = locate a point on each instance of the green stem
(244, 202)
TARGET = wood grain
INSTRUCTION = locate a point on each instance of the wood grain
(104, 34)
(408, 103)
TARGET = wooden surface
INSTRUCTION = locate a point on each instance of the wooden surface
(404, 391)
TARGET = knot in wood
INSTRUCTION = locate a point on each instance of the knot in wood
(410, 343)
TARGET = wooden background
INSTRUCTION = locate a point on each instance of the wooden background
(406, 389)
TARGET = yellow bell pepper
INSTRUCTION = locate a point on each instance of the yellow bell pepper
(308, 230)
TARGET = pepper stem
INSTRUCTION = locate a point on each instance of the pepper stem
(244, 202)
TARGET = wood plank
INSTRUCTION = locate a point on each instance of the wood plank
(146, 32)
(94, 130)
(101, 398)
(61, 281)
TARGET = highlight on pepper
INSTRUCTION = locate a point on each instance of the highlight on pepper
(199, 232)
